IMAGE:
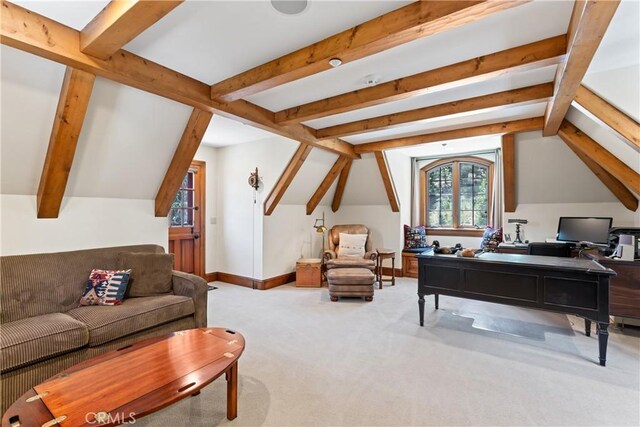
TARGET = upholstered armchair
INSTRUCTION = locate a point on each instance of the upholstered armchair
(331, 257)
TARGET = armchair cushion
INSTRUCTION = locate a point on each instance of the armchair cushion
(352, 245)
(351, 263)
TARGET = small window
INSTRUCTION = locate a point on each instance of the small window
(456, 195)
(181, 213)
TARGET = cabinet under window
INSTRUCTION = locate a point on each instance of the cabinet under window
(455, 196)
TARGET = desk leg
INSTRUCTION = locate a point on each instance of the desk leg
(587, 327)
(603, 337)
(232, 391)
(421, 308)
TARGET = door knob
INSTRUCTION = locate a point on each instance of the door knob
(196, 236)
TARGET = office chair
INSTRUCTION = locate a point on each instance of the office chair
(549, 249)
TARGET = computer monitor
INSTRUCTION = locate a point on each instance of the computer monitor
(579, 229)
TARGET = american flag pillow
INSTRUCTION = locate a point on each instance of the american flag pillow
(105, 287)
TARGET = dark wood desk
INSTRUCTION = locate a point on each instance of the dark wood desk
(624, 289)
(566, 285)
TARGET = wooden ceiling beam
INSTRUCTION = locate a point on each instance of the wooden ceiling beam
(286, 178)
(342, 183)
(326, 183)
(514, 126)
(182, 158)
(387, 180)
(610, 115)
(74, 98)
(509, 172)
(589, 22)
(23, 29)
(119, 23)
(522, 96)
(531, 56)
(412, 22)
(600, 156)
(614, 185)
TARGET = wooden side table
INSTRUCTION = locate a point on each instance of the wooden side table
(309, 272)
(382, 255)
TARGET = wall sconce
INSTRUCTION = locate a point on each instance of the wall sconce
(254, 180)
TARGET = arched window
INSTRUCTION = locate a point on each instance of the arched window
(456, 195)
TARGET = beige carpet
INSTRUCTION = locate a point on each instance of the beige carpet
(312, 362)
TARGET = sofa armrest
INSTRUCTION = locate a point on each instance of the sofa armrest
(372, 255)
(195, 287)
(329, 255)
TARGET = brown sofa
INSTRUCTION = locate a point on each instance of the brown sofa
(44, 331)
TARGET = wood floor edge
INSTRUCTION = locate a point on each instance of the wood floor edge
(248, 282)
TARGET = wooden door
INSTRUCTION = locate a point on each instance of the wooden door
(186, 222)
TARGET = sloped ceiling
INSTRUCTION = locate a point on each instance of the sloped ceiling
(129, 136)
(125, 146)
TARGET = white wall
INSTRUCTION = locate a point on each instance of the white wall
(383, 224)
(289, 235)
(240, 246)
(547, 171)
(84, 222)
(563, 186)
(543, 217)
(124, 149)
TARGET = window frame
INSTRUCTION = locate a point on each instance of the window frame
(456, 230)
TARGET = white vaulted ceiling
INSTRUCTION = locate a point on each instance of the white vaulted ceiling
(129, 136)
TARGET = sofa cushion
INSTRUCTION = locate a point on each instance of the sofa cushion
(52, 283)
(133, 315)
(37, 338)
(105, 287)
(351, 263)
(151, 273)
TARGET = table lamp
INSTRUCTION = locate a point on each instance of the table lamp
(518, 223)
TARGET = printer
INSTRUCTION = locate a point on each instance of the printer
(625, 242)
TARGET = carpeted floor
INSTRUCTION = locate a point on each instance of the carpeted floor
(312, 362)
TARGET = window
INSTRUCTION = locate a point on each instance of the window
(456, 195)
(181, 213)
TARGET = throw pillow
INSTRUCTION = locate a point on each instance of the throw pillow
(105, 287)
(352, 245)
(491, 238)
(415, 237)
(152, 273)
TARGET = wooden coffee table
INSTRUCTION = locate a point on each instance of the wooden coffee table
(129, 383)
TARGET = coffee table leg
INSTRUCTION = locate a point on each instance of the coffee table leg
(232, 391)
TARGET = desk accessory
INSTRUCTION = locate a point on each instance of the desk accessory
(518, 223)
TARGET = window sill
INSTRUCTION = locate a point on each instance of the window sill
(455, 232)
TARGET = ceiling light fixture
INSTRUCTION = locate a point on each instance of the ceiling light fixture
(335, 62)
(290, 7)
